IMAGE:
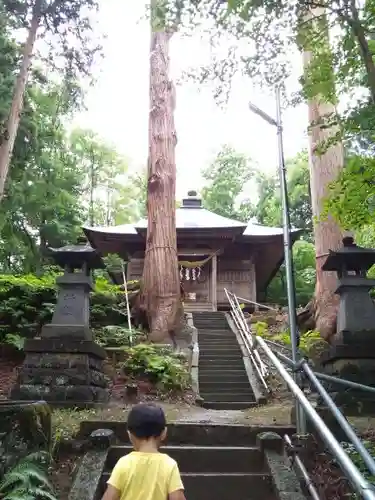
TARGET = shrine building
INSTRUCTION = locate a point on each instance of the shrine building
(214, 253)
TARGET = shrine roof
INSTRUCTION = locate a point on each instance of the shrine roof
(193, 216)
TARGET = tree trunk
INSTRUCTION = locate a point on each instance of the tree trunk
(321, 312)
(10, 129)
(161, 284)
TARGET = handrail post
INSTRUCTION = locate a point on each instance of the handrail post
(300, 417)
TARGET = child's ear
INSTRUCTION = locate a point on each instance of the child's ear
(164, 434)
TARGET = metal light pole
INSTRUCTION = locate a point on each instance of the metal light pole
(294, 335)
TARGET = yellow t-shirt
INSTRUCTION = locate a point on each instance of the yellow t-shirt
(146, 476)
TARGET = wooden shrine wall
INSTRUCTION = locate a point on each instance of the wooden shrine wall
(238, 275)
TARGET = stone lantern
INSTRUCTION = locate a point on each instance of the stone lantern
(64, 366)
(352, 353)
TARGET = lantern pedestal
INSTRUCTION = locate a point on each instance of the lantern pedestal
(352, 354)
(64, 367)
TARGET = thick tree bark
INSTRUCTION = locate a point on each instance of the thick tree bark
(161, 284)
(10, 128)
(324, 168)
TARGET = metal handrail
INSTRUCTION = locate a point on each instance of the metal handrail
(356, 478)
(242, 326)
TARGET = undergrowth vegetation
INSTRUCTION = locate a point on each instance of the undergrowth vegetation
(358, 461)
(311, 343)
(117, 336)
(27, 303)
(28, 479)
(158, 365)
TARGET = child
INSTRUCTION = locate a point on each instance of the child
(145, 474)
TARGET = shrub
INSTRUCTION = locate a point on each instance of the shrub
(159, 365)
(27, 303)
(311, 343)
(116, 336)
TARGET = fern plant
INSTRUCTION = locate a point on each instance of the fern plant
(28, 480)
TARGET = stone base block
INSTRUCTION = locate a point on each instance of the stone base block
(67, 372)
(356, 363)
(55, 395)
(81, 332)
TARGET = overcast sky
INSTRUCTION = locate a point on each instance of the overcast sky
(118, 103)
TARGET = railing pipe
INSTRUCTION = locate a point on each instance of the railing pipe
(257, 304)
(344, 424)
(359, 483)
(247, 337)
(328, 378)
(309, 484)
(347, 383)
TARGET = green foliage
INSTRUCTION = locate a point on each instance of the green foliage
(227, 177)
(15, 340)
(116, 336)
(57, 180)
(351, 198)
(27, 303)
(268, 210)
(309, 341)
(260, 39)
(260, 329)
(28, 480)
(304, 275)
(159, 365)
(358, 460)
(108, 194)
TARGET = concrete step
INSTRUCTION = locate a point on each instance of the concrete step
(189, 433)
(228, 397)
(220, 331)
(221, 349)
(209, 367)
(220, 356)
(205, 339)
(228, 486)
(225, 368)
(204, 459)
(217, 345)
(214, 365)
(219, 486)
(226, 405)
(230, 388)
(219, 375)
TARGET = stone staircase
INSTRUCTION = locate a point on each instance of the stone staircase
(197, 307)
(223, 380)
(211, 469)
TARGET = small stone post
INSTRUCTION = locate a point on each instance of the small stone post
(352, 354)
(64, 366)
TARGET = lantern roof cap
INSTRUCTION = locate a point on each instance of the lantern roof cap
(77, 255)
(350, 257)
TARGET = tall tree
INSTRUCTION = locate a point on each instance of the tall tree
(325, 167)
(161, 284)
(109, 193)
(66, 23)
